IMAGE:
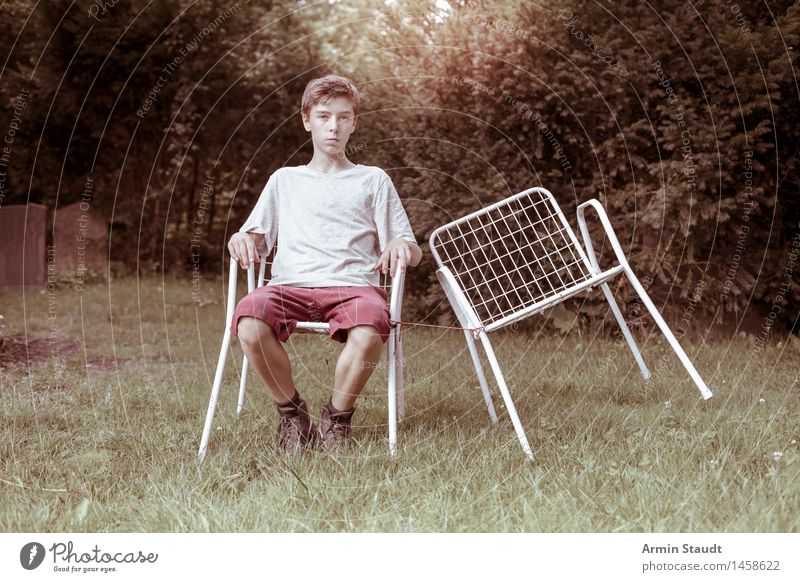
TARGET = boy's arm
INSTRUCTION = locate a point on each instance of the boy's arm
(397, 255)
(259, 232)
(247, 248)
(399, 248)
(416, 255)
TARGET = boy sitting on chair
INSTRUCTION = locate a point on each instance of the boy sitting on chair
(336, 225)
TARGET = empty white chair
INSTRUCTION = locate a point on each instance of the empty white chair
(518, 257)
(394, 355)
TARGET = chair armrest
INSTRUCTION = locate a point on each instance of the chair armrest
(396, 297)
(612, 237)
(262, 269)
(251, 280)
(233, 272)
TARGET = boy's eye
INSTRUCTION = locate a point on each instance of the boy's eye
(324, 116)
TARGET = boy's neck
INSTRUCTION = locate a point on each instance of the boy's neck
(329, 164)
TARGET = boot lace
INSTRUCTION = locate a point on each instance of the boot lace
(291, 429)
(338, 430)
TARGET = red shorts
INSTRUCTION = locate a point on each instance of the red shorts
(282, 306)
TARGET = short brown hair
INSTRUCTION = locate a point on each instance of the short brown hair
(329, 87)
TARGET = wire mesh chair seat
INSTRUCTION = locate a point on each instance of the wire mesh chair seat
(518, 257)
(394, 288)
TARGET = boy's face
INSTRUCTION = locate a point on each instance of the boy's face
(330, 125)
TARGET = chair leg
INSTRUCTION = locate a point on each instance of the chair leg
(401, 391)
(223, 355)
(476, 360)
(501, 383)
(392, 392)
(212, 405)
(701, 385)
(245, 363)
(625, 331)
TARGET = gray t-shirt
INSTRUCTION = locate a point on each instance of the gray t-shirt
(330, 228)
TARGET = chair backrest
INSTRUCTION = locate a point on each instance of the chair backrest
(511, 255)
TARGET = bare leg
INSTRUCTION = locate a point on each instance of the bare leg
(357, 361)
(267, 356)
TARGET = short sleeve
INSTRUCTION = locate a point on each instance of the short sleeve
(391, 220)
(264, 217)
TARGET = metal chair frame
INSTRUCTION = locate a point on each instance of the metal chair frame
(518, 257)
(396, 390)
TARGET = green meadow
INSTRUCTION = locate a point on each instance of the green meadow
(103, 395)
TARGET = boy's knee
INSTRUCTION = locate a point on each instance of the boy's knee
(364, 337)
(252, 331)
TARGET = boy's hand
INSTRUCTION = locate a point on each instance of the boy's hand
(395, 257)
(246, 248)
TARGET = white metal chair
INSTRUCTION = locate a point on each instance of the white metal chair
(519, 257)
(393, 286)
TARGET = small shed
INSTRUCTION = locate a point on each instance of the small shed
(22, 240)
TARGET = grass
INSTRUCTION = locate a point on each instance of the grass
(112, 446)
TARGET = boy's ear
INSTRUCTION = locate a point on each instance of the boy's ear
(306, 124)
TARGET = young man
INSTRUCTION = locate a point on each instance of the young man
(336, 225)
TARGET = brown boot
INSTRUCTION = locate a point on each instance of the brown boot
(296, 432)
(334, 428)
